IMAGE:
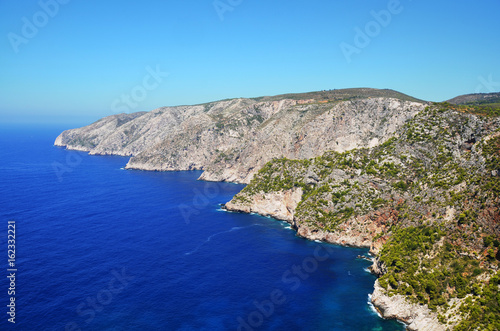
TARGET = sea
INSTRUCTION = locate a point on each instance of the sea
(98, 247)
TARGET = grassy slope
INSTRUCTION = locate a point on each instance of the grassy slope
(476, 99)
(342, 94)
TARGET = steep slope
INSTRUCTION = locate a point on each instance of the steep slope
(426, 202)
(90, 137)
(417, 185)
(232, 139)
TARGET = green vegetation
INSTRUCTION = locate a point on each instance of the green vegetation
(278, 175)
(439, 184)
(423, 264)
(404, 258)
(401, 185)
(491, 154)
(482, 309)
(88, 142)
(342, 94)
(490, 108)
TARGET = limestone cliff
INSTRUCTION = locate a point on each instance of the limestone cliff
(417, 317)
(280, 205)
(231, 140)
(416, 183)
(426, 203)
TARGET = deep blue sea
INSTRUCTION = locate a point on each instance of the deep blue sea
(102, 248)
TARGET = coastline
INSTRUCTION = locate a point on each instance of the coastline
(281, 206)
(418, 186)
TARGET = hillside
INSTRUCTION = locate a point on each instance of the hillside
(426, 203)
(343, 94)
(232, 139)
(417, 183)
(476, 99)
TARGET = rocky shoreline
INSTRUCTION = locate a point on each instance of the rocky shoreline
(415, 316)
(282, 205)
(414, 182)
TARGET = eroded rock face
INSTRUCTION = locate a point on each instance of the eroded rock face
(417, 317)
(231, 140)
(422, 178)
(357, 232)
(280, 205)
(306, 131)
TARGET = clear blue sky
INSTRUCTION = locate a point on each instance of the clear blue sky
(83, 57)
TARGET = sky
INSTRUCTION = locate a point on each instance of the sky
(73, 59)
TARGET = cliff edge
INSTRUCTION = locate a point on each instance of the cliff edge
(416, 183)
(231, 140)
(426, 204)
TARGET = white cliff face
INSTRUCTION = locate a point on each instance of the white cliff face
(306, 131)
(417, 317)
(280, 205)
(110, 131)
(231, 140)
(358, 232)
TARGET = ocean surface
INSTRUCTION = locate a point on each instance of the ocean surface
(102, 248)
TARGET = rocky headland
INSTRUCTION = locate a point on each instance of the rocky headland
(417, 183)
(231, 140)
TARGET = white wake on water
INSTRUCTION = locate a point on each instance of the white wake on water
(372, 307)
(218, 233)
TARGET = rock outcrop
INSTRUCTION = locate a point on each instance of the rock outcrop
(231, 140)
(415, 183)
(416, 317)
(433, 186)
(279, 205)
